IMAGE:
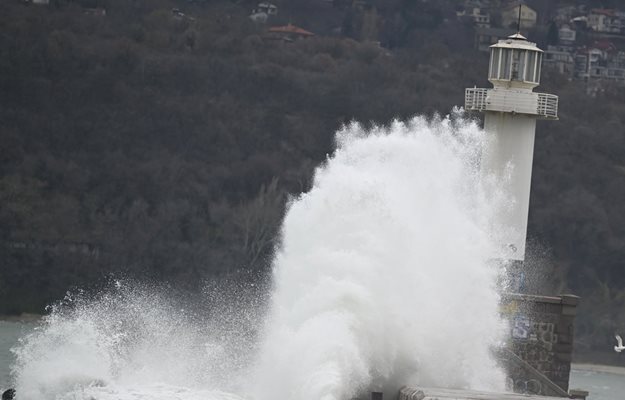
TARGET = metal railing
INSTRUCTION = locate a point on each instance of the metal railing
(540, 104)
(548, 105)
(475, 99)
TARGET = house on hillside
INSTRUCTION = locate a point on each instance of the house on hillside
(588, 62)
(263, 12)
(267, 8)
(510, 16)
(606, 21)
(560, 58)
(287, 33)
(600, 62)
(476, 12)
(566, 35)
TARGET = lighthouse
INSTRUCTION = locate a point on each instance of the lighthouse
(511, 109)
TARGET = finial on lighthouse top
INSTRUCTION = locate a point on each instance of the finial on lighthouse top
(518, 24)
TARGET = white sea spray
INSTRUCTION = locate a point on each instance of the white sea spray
(382, 278)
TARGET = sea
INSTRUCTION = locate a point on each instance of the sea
(603, 382)
(10, 332)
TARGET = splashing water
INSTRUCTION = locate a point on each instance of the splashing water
(382, 279)
(134, 342)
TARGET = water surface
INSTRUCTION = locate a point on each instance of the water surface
(603, 383)
(9, 334)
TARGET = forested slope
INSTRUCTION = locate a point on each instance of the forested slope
(165, 147)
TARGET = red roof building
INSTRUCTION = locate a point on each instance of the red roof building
(288, 32)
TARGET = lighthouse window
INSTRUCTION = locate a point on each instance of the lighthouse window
(505, 64)
(518, 64)
(530, 71)
(538, 62)
(494, 63)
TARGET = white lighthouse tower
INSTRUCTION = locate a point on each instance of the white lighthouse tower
(511, 109)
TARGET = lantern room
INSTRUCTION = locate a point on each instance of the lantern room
(515, 62)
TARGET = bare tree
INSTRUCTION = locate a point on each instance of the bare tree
(259, 222)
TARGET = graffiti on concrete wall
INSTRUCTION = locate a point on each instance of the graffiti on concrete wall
(534, 331)
(534, 338)
(530, 386)
(540, 334)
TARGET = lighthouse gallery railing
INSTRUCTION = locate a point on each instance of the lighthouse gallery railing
(524, 102)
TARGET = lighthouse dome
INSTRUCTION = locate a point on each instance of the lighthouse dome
(515, 62)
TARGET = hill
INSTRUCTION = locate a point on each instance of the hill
(163, 143)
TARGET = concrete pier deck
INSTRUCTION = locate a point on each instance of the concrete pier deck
(419, 393)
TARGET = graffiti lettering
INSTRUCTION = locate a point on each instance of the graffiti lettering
(531, 386)
(532, 331)
(521, 327)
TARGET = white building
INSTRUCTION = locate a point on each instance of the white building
(510, 16)
(263, 12)
(267, 8)
(566, 35)
(606, 21)
(561, 59)
(479, 16)
(600, 63)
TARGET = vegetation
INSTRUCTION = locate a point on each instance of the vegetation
(149, 144)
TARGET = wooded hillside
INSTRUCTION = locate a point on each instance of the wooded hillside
(160, 146)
